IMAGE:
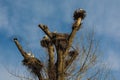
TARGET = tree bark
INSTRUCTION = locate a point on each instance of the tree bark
(60, 65)
(23, 53)
(51, 64)
(75, 28)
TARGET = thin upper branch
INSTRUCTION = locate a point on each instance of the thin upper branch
(23, 53)
(45, 30)
(30, 61)
(78, 16)
(76, 25)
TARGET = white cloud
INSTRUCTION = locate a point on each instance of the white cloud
(42, 9)
(105, 17)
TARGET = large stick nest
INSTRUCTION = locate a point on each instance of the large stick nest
(60, 40)
(80, 13)
(33, 64)
(45, 43)
(60, 35)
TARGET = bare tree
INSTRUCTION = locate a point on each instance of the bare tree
(73, 63)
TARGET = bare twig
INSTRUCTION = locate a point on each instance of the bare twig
(18, 76)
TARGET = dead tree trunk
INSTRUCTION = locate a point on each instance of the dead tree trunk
(59, 42)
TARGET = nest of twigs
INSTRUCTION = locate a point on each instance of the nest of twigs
(45, 43)
(80, 13)
(60, 35)
(60, 40)
(33, 64)
(73, 53)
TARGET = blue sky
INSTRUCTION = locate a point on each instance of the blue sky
(20, 18)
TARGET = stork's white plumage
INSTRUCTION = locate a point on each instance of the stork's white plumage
(81, 9)
(55, 32)
(30, 54)
(45, 37)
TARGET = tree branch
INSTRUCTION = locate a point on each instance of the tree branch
(76, 25)
(60, 65)
(23, 53)
(51, 64)
(45, 30)
(30, 61)
(73, 57)
(79, 15)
